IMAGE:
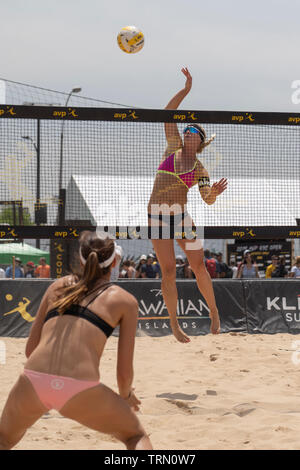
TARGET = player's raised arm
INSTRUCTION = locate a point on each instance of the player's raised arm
(171, 130)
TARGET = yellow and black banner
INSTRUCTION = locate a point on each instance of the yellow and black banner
(58, 258)
(55, 232)
(148, 115)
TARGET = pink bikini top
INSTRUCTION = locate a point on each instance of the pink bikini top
(168, 166)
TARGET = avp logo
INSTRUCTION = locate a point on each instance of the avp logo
(295, 234)
(10, 233)
(130, 114)
(73, 233)
(250, 117)
(190, 116)
(250, 232)
(8, 110)
(241, 118)
(242, 234)
(62, 114)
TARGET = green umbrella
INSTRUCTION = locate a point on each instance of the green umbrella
(23, 251)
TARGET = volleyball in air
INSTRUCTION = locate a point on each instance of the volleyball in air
(130, 39)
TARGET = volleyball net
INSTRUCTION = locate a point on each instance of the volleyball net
(86, 167)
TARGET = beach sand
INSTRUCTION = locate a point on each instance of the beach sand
(232, 391)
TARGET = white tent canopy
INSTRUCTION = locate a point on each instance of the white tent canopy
(111, 200)
(117, 200)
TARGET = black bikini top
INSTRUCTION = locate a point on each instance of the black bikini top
(84, 312)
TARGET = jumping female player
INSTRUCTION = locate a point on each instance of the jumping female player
(66, 342)
(178, 171)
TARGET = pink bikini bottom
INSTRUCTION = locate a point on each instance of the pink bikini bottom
(54, 390)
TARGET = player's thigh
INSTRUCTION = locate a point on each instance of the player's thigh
(165, 253)
(21, 409)
(193, 250)
(101, 409)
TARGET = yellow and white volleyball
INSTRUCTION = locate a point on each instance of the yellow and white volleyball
(130, 39)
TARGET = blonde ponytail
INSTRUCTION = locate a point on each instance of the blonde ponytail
(206, 143)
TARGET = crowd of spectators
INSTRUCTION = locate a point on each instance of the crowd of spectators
(29, 270)
(147, 267)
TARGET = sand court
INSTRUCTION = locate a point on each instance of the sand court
(232, 391)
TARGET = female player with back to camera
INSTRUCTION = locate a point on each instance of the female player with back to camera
(178, 171)
(66, 342)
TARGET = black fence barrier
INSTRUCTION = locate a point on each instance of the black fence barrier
(258, 306)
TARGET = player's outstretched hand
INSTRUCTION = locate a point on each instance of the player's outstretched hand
(188, 82)
(219, 188)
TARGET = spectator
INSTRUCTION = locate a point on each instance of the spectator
(132, 264)
(128, 271)
(115, 271)
(156, 264)
(29, 270)
(43, 270)
(189, 273)
(211, 264)
(248, 269)
(142, 261)
(222, 268)
(272, 267)
(149, 270)
(234, 269)
(18, 270)
(280, 270)
(180, 267)
(295, 271)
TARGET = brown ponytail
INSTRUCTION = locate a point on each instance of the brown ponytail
(94, 251)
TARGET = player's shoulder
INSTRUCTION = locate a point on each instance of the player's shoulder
(117, 296)
(65, 281)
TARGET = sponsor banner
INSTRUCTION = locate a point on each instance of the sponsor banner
(258, 306)
(192, 311)
(273, 306)
(19, 302)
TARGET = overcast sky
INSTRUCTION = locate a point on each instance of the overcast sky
(242, 55)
